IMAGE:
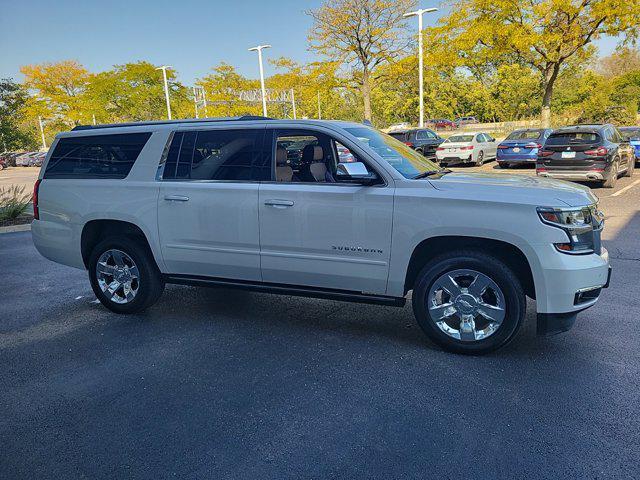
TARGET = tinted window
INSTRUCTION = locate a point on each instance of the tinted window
(96, 156)
(525, 135)
(571, 138)
(426, 135)
(399, 135)
(629, 133)
(217, 155)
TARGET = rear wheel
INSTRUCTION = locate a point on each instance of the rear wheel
(503, 165)
(124, 275)
(611, 181)
(480, 158)
(631, 166)
(468, 302)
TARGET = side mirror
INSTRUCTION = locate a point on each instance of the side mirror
(354, 172)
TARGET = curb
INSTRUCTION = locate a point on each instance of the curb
(16, 228)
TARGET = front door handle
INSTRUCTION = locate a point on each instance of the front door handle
(176, 198)
(279, 203)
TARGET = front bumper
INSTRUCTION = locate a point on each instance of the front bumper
(570, 290)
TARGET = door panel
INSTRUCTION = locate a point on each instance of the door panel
(210, 229)
(326, 235)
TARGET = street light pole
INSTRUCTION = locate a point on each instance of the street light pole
(418, 13)
(264, 93)
(195, 100)
(293, 104)
(166, 88)
(44, 143)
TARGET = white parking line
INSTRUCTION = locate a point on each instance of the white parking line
(622, 190)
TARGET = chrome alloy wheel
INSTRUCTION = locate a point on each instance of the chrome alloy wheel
(466, 305)
(118, 276)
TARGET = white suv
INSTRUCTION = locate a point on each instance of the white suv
(267, 205)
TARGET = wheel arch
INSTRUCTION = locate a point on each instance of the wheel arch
(96, 230)
(510, 254)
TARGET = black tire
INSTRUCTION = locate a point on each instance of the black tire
(611, 181)
(480, 159)
(631, 166)
(151, 283)
(503, 165)
(496, 270)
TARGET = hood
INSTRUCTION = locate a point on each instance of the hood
(516, 189)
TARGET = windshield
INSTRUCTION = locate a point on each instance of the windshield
(405, 160)
(525, 135)
(459, 139)
(629, 133)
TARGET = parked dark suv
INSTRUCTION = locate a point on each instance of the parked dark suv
(422, 140)
(587, 153)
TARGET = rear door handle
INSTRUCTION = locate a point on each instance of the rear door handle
(176, 198)
(279, 203)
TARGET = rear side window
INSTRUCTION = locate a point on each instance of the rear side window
(573, 138)
(217, 155)
(96, 156)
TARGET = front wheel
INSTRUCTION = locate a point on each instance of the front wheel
(469, 302)
(124, 275)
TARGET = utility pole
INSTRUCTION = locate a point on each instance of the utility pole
(259, 49)
(94, 118)
(44, 143)
(319, 113)
(166, 88)
(418, 13)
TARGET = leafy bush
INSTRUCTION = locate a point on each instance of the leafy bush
(13, 202)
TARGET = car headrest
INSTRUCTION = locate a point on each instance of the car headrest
(281, 156)
(312, 153)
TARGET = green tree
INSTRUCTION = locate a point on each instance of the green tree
(59, 89)
(13, 102)
(222, 88)
(362, 33)
(134, 92)
(544, 34)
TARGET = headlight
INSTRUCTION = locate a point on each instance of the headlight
(579, 225)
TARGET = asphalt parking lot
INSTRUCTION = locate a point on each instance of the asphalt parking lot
(213, 383)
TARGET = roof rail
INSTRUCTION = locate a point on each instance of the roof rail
(172, 122)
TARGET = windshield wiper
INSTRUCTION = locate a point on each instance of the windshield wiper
(432, 173)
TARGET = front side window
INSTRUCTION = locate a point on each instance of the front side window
(232, 155)
(96, 156)
(405, 160)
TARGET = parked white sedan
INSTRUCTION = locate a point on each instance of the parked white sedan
(474, 148)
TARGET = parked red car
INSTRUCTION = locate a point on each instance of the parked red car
(441, 124)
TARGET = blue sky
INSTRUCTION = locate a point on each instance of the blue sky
(190, 35)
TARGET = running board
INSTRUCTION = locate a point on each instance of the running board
(283, 289)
